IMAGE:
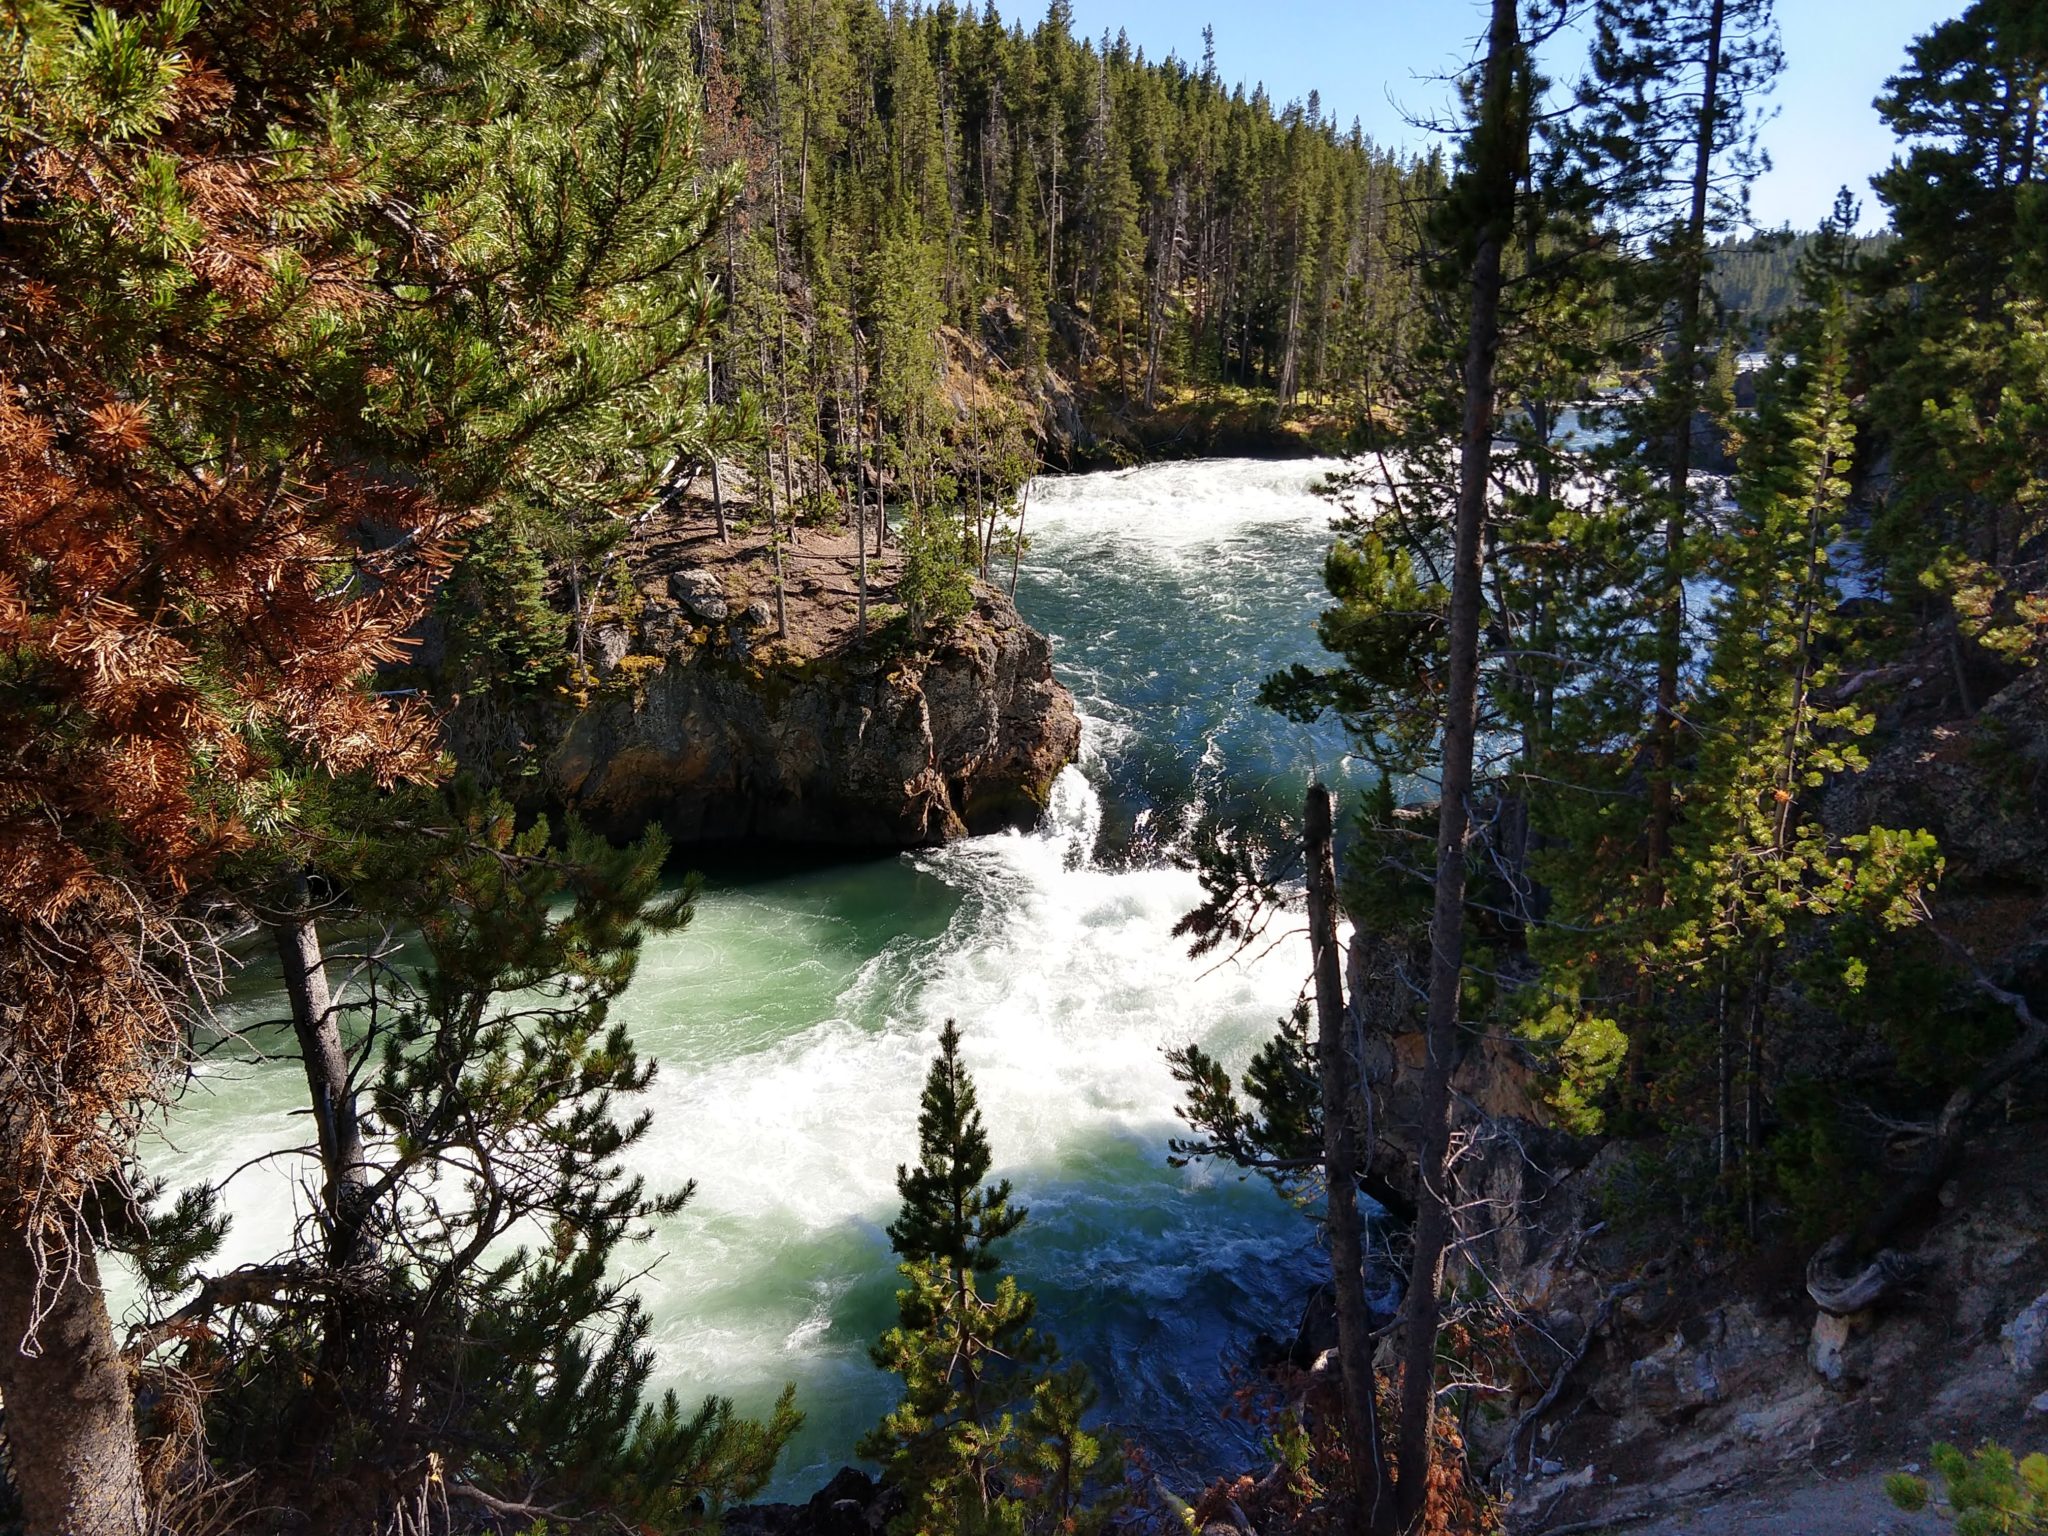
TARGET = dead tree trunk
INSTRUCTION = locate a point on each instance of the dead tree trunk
(1372, 1500)
(717, 483)
(1017, 547)
(317, 1023)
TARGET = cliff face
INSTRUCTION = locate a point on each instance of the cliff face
(702, 725)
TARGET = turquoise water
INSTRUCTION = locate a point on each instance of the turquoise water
(793, 1020)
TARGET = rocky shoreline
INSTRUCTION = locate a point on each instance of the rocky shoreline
(700, 718)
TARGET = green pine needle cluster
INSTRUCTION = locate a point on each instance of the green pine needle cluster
(988, 1438)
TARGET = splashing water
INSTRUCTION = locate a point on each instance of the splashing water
(794, 1019)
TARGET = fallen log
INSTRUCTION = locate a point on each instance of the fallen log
(1841, 1293)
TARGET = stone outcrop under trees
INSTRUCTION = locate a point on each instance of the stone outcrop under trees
(699, 716)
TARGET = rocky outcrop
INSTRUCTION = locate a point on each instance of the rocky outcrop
(1713, 1376)
(701, 725)
(1979, 784)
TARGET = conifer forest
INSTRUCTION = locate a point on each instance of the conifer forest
(822, 768)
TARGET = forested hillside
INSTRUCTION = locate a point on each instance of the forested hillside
(1120, 233)
(1756, 278)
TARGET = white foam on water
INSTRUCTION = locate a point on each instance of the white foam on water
(796, 1018)
(1187, 502)
(1068, 986)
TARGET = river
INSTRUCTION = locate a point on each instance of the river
(794, 1018)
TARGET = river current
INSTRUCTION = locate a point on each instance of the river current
(794, 1018)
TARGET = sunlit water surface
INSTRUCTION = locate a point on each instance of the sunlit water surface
(794, 1019)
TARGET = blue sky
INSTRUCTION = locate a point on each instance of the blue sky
(1382, 61)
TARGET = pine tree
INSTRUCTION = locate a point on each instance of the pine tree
(1673, 90)
(965, 1347)
(187, 341)
(299, 307)
(497, 1113)
(1754, 867)
(1482, 208)
(1109, 210)
(964, 1356)
(1958, 374)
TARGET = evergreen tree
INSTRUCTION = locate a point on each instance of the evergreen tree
(191, 327)
(1069, 202)
(1671, 117)
(1958, 380)
(966, 1350)
(496, 1208)
(1753, 866)
(298, 305)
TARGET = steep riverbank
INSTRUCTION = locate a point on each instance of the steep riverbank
(1085, 419)
(703, 713)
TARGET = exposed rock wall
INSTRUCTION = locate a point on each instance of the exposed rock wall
(698, 724)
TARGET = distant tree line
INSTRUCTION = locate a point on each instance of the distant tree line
(1756, 277)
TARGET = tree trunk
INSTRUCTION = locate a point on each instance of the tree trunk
(881, 497)
(1684, 364)
(1498, 140)
(1017, 546)
(1372, 1501)
(860, 486)
(1724, 1089)
(1290, 354)
(1753, 1087)
(1052, 232)
(767, 487)
(69, 1423)
(317, 1023)
(717, 484)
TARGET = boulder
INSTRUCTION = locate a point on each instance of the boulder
(1713, 1356)
(663, 626)
(2025, 1341)
(702, 593)
(1826, 1350)
(851, 1504)
(1316, 1334)
(608, 646)
(1673, 1380)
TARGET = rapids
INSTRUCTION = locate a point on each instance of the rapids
(794, 1018)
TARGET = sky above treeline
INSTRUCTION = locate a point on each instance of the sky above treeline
(1385, 62)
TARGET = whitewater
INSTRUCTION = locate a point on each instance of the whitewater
(794, 1019)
